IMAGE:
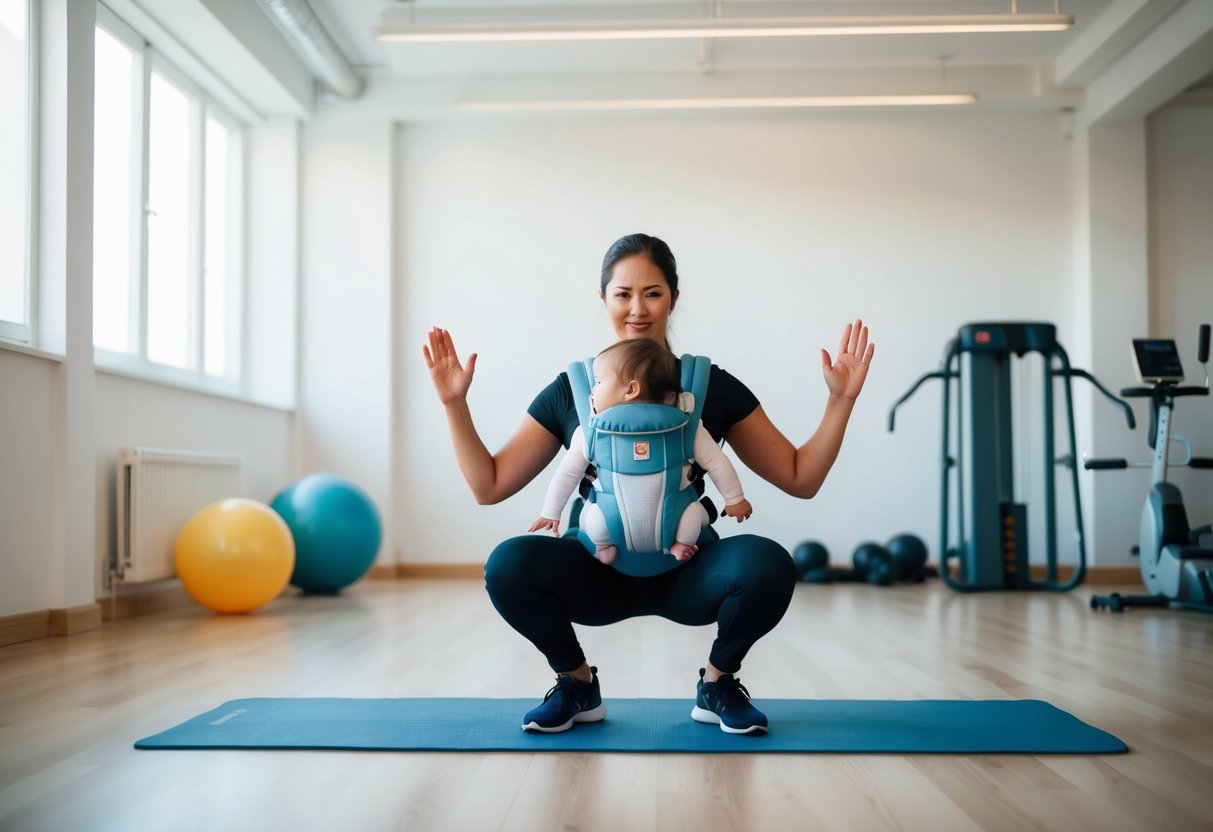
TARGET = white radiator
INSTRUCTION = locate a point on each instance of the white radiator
(158, 490)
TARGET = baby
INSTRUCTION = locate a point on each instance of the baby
(627, 372)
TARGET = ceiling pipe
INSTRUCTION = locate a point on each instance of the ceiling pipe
(314, 44)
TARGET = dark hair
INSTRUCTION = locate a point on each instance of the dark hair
(656, 250)
(649, 363)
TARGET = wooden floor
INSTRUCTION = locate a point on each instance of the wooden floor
(71, 707)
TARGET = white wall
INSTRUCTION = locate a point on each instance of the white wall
(785, 228)
(272, 262)
(345, 349)
(1180, 142)
(27, 437)
(1112, 277)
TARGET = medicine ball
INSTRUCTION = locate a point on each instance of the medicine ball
(882, 569)
(910, 554)
(863, 555)
(809, 557)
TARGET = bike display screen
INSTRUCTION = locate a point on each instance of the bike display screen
(1157, 360)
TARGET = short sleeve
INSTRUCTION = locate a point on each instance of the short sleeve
(728, 402)
(554, 409)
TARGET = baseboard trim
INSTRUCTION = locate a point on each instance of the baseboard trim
(440, 570)
(394, 571)
(129, 604)
(26, 626)
(72, 620)
(1107, 575)
(1096, 575)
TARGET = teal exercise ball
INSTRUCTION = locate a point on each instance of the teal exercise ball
(336, 529)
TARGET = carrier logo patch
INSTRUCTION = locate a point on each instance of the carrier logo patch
(640, 450)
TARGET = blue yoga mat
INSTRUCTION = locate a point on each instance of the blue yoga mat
(798, 726)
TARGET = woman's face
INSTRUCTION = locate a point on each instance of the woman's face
(638, 300)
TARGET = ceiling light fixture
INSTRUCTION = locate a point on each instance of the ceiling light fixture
(394, 30)
(720, 103)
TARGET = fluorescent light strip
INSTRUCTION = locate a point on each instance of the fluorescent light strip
(721, 103)
(717, 28)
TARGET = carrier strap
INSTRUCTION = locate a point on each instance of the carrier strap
(696, 370)
(581, 379)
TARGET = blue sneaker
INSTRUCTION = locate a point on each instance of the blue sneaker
(567, 702)
(727, 703)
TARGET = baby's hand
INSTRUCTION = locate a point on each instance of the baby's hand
(546, 523)
(683, 551)
(741, 510)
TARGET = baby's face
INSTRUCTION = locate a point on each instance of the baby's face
(608, 390)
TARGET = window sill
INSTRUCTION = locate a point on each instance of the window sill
(31, 351)
(176, 384)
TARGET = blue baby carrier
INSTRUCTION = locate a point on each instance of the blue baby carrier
(639, 450)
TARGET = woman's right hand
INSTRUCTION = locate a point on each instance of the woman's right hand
(451, 379)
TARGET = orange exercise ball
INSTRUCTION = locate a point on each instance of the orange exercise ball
(235, 555)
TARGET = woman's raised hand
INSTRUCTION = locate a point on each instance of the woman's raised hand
(845, 376)
(451, 379)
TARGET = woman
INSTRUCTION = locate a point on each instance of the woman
(542, 585)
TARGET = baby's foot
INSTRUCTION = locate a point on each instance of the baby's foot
(606, 554)
(683, 551)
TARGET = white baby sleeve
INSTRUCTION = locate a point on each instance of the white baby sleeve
(723, 474)
(568, 475)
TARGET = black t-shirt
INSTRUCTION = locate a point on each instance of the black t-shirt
(728, 402)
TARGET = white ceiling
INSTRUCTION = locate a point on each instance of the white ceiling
(350, 23)
(1122, 59)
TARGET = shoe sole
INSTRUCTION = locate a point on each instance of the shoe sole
(711, 717)
(592, 715)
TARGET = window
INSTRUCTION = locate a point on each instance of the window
(115, 195)
(15, 171)
(168, 190)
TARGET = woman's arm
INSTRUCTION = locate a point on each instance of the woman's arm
(801, 471)
(491, 477)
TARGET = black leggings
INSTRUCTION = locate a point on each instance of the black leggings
(543, 585)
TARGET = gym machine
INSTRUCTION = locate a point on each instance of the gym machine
(992, 552)
(1176, 561)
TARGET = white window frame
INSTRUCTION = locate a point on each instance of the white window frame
(202, 105)
(26, 334)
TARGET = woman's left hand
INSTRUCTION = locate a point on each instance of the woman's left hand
(845, 376)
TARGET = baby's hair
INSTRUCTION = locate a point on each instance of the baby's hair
(652, 365)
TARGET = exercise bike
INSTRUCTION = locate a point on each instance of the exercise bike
(1176, 560)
